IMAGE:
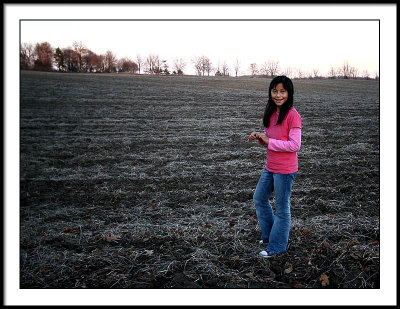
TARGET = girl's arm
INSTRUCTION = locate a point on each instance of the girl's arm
(292, 145)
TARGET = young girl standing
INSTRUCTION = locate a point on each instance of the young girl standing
(282, 136)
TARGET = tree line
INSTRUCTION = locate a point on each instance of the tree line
(79, 58)
(345, 71)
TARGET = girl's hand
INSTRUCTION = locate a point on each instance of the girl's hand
(262, 137)
(253, 136)
(258, 136)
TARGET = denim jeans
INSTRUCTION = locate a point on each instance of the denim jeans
(274, 228)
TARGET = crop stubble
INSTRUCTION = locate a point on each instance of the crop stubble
(147, 182)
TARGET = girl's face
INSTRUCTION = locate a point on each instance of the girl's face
(279, 95)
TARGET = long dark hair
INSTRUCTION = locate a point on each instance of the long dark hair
(271, 107)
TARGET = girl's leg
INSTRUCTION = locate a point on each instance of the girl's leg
(264, 211)
(279, 235)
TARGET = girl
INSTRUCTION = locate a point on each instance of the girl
(282, 136)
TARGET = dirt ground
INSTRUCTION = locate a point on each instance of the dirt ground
(147, 182)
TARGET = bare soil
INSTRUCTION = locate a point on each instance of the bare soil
(147, 182)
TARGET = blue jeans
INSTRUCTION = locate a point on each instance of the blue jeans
(274, 228)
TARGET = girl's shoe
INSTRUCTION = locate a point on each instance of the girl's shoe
(261, 242)
(266, 254)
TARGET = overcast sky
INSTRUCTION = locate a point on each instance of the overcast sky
(303, 44)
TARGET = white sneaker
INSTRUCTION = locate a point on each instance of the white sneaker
(261, 242)
(265, 254)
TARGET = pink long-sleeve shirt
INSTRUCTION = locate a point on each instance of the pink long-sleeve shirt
(284, 143)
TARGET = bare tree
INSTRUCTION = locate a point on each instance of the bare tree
(225, 69)
(202, 65)
(315, 73)
(236, 66)
(139, 62)
(353, 72)
(253, 69)
(89, 61)
(273, 67)
(345, 70)
(101, 63)
(300, 73)
(332, 72)
(288, 72)
(365, 74)
(110, 61)
(217, 69)
(203, 60)
(26, 56)
(264, 70)
(80, 50)
(153, 64)
(165, 67)
(69, 60)
(157, 64)
(207, 65)
(198, 64)
(149, 64)
(179, 65)
(127, 65)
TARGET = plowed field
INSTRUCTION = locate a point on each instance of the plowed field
(147, 182)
